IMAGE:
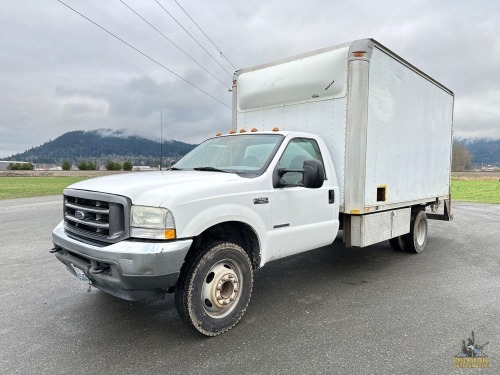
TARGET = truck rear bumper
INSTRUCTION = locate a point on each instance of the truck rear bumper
(133, 270)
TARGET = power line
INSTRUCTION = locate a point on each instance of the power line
(179, 48)
(192, 37)
(148, 57)
(199, 28)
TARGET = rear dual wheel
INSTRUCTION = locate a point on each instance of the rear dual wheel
(397, 243)
(415, 241)
(214, 288)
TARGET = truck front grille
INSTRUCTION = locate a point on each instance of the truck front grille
(96, 216)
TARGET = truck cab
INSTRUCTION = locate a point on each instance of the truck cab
(268, 194)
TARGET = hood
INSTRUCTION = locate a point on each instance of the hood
(161, 188)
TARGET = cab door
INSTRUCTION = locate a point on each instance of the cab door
(302, 218)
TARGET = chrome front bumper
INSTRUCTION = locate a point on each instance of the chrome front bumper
(135, 270)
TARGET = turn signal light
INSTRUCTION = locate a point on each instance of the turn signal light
(170, 234)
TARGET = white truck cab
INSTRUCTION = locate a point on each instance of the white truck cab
(349, 137)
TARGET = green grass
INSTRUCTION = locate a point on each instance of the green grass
(487, 191)
(24, 187)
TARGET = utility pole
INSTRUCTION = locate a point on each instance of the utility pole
(161, 137)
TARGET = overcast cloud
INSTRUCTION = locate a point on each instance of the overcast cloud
(59, 72)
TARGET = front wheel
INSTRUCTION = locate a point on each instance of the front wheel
(213, 291)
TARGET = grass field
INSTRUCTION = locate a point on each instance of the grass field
(487, 191)
(24, 187)
(471, 190)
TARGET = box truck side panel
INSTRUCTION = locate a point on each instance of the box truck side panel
(408, 135)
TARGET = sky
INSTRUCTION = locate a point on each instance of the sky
(59, 72)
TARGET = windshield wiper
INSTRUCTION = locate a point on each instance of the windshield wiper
(174, 169)
(210, 169)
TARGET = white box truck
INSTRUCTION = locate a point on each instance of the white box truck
(350, 137)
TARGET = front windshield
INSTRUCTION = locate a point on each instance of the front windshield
(237, 153)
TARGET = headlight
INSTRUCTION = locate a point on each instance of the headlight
(148, 217)
(152, 222)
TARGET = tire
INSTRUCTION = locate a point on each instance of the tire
(414, 242)
(214, 288)
(397, 243)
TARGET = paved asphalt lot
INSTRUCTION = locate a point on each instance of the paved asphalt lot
(331, 310)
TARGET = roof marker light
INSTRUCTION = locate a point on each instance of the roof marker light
(243, 130)
(276, 130)
(218, 134)
(253, 130)
(232, 131)
(359, 53)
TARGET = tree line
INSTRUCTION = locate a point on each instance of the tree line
(90, 166)
(20, 167)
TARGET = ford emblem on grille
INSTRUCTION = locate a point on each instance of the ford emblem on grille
(80, 215)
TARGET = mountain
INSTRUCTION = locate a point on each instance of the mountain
(483, 151)
(102, 145)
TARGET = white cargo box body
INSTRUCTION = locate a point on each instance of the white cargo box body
(387, 125)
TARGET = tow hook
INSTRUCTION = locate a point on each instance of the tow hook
(55, 250)
(100, 269)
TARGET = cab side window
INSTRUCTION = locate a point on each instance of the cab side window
(298, 150)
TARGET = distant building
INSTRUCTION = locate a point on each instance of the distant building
(142, 168)
(47, 167)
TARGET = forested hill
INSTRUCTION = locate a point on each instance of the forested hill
(100, 144)
(483, 151)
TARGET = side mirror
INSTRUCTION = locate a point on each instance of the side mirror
(314, 174)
